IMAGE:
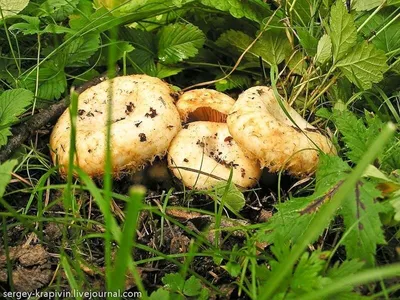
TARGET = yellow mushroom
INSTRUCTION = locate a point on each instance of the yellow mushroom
(203, 153)
(144, 121)
(260, 126)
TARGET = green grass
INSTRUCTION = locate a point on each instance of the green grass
(114, 236)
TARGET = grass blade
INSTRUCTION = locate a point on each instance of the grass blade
(327, 212)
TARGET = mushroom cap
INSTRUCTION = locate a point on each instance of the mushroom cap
(144, 122)
(203, 153)
(204, 105)
(260, 126)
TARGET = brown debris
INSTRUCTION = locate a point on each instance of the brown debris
(31, 267)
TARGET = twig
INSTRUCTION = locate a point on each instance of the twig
(24, 131)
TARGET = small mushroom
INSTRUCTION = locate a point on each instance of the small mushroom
(204, 105)
(203, 153)
(261, 127)
(144, 122)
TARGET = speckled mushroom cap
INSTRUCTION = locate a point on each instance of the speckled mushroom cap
(203, 153)
(260, 126)
(144, 121)
(204, 105)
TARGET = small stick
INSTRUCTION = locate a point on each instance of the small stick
(24, 131)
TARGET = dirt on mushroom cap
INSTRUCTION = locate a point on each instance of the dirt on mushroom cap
(203, 153)
(204, 105)
(144, 121)
(261, 127)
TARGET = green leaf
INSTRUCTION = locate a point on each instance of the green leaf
(389, 39)
(252, 9)
(308, 41)
(361, 218)
(160, 294)
(192, 287)
(233, 199)
(12, 104)
(358, 136)
(306, 277)
(145, 50)
(52, 81)
(13, 7)
(232, 82)
(233, 268)
(324, 50)
(359, 211)
(174, 281)
(395, 202)
(163, 71)
(57, 29)
(361, 5)
(30, 27)
(5, 174)
(346, 268)
(342, 31)
(273, 46)
(364, 65)
(81, 49)
(296, 63)
(59, 10)
(177, 42)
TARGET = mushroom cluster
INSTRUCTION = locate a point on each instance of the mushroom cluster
(144, 122)
(203, 153)
(220, 137)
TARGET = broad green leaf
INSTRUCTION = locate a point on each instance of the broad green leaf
(294, 216)
(361, 5)
(324, 50)
(12, 7)
(81, 49)
(174, 281)
(145, 52)
(177, 42)
(160, 294)
(296, 62)
(30, 27)
(273, 46)
(389, 39)
(308, 41)
(52, 82)
(5, 174)
(233, 199)
(342, 31)
(163, 71)
(192, 286)
(361, 219)
(58, 9)
(251, 9)
(358, 135)
(232, 82)
(57, 29)
(364, 65)
(12, 104)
